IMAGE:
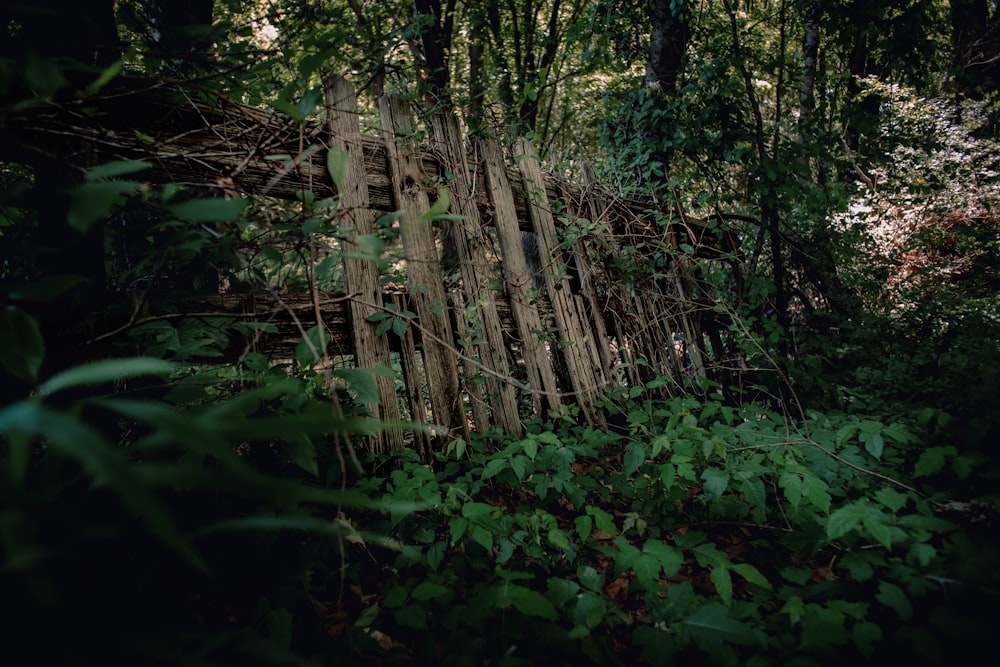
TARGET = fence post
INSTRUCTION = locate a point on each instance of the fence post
(361, 280)
(578, 345)
(423, 268)
(541, 377)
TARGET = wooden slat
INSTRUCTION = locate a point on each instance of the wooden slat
(361, 279)
(517, 277)
(500, 408)
(577, 343)
(425, 283)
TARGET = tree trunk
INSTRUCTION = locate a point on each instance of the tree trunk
(667, 45)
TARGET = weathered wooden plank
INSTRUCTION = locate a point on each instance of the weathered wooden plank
(471, 245)
(517, 277)
(361, 278)
(413, 381)
(576, 342)
(425, 283)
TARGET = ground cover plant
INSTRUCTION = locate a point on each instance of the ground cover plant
(826, 493)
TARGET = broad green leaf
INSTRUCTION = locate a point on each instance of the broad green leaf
(93, 201)
(457, 527)
(865, 635)
(103, 463)
(584, 526)
(310, 348)
(723, 582)
(669, 557)
(559, 539)
(791, 484)
(933, 461)
(530, 445)
(47, 288)
(716, 482)
(602, 520)
(548, 438)
(751, 574)
(668, 474)
(304, 455)
(116, 168)
(635, 456)
(107, 370)
(891, 498)
(362, 383)
(483, 536)
(495, 467)
(528, 602)
(428, 591)
(817, 491)
(475, 510)
(209, 210)
(845, 433)
(893, 597)
(711, 625)
(338, 164)
(874, 444)
(22, 348)
(876, 523)
(647, 570)
(519, 464)
(590, 610)
(561, 591)
(590, 578)
(843, 521)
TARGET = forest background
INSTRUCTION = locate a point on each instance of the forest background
(828, 492)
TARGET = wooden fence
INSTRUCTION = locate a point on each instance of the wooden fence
(503, 334)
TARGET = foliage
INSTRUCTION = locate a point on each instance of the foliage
(831, 497)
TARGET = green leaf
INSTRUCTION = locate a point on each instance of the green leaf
(669, 558)
(817, 491)
(310, 348)
(843, 521)
(428, 591)
(338, 164)
(528, 602)
(440, 207)
(751, 574)
(584, 526)
(716, 482)
(530, 445)
(476, 510)
(209, 210)
(116, 168)
(876, 523)
(892, 596)
(647, 570)
(635, 456)
(22, 348)
(874, 444)
(107, 370)
(590, 610)
(711, 625)
(723, 582)
(602, 520)
(103, 463)
(47, 288)
(891, 498)
(933, 461)
(93, 201)
(361, 381)
(559, 539)
(590, 578)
